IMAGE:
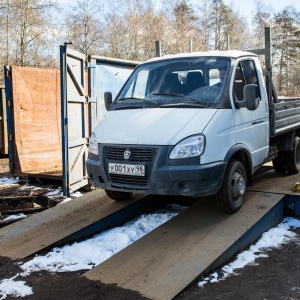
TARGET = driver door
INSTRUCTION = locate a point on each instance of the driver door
(251, 127)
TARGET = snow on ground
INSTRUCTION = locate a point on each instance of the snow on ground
(15, 217)
(273, 238)
(27, 186)
(53, 193)
(88, 253)
(72, 196)
(91, 252)
(10, 287)
(9, 180)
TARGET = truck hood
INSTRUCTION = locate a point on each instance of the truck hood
(155, 126)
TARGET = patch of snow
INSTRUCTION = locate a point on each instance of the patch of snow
(9, 180)
(15, 217)
(91, 252)
(54, 193)
(273, 238)
(27, 187)
(76, 194)
(72, 196)
(12, 287)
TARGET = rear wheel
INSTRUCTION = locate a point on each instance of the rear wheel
(278, 164)
(292, 158)
(232, 193)
(118, 196)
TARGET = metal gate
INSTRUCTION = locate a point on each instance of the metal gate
(83, 84)
(74, 101)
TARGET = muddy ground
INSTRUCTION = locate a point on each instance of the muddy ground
(275, 277)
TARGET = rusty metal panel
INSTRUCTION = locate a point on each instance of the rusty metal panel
(3, 123)
(36, 120)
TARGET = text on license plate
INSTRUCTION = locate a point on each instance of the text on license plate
(137, 170)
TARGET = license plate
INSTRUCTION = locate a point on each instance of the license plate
(124, 169)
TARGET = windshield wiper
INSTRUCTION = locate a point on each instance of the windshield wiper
(128, 107)
(185, 104)
(202, 103)
(140, 99)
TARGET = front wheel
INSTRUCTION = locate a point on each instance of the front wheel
(118, 196)
(232, 193)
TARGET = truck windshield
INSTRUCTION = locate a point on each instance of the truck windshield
(183, 80)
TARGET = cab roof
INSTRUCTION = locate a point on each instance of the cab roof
(217, 53)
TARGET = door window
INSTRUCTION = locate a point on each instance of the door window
(245, 74)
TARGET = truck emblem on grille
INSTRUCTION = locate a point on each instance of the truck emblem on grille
(127, 154)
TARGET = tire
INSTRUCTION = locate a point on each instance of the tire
(291, 159)
(232, 193)
(278, 164)
(118, 196)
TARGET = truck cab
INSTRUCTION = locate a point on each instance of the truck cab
(193, 124)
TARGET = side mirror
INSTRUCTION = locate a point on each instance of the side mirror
(107, 100)
(251, 99)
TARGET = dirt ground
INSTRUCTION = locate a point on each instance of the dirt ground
(275, 277)
(4, 169)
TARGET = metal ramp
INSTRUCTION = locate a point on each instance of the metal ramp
(70, 221)
(165, 261)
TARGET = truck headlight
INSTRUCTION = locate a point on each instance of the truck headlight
(189, 147)
(93, 146)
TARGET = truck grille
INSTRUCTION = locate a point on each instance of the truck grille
(144, 156)
(132, 180)
(137, 154)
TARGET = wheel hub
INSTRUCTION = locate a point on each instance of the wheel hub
(238, 185)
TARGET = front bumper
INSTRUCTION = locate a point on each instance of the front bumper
(185, 177)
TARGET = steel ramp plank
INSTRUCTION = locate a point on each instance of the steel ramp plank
(165, 261)
(41, 230)
(271, 182)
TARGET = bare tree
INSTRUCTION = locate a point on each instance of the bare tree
(220, 24)
(128, 29)
(84, 25)
(262, 17)
(185, 18)
(205, 25)
(27, 25)
(132, 29)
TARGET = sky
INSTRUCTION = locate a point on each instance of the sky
(86, 254)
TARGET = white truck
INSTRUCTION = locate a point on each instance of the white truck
(194, 124)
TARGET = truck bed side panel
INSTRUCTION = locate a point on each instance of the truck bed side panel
(286, 116)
